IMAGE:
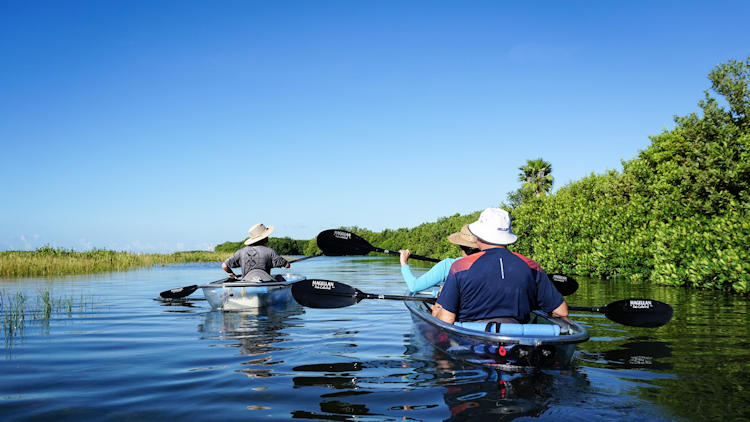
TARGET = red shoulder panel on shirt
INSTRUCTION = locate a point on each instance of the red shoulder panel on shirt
(465, 263)
(530, 262)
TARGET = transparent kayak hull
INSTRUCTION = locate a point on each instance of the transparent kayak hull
(230, 294)
(502, 351)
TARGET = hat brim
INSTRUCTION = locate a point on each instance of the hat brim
(256, 239)
(493, 237)
(458, 239)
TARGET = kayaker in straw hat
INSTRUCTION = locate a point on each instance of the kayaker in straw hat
(256, 259)
(437, 274)
(496, 284)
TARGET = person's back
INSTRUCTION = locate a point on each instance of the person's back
(496, 284)
(255, 256)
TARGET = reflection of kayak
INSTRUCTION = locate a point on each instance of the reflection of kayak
(545, 342)
(231, 294)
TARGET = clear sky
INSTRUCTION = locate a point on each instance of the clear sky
(160, 126)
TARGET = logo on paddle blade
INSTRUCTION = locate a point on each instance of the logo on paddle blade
(559, 277)
(322, 285)
(641, 304)
(342, 235)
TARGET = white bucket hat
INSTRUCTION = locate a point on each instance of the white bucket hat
(258, 232)
(493, 226)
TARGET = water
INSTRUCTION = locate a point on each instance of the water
(121, 355)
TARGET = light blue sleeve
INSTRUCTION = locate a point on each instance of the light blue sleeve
(434, 276)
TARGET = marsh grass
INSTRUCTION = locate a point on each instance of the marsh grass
(49, 261)
(18, 310)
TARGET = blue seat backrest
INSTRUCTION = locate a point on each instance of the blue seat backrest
(514, 329)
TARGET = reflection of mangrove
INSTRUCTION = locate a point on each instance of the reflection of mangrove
(709, 329)
(18, 310)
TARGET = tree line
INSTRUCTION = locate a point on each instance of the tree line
(677, 214)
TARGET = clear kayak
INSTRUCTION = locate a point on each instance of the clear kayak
(545, 342)
(230, 294)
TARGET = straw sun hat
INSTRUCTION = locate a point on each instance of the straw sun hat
(463, 238)
(258, 232)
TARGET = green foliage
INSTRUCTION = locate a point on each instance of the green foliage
(230, 247)
(677, 214)
(282, 245)
(48, 261)
(536, 176)
(287, 246)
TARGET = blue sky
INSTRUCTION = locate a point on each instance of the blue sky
(163, 126)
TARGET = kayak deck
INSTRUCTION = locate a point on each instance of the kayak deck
(530, 347)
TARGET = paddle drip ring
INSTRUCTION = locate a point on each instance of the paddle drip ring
(501, 351)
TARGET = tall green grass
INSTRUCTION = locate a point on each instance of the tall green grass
(18, 310)
(49, 261)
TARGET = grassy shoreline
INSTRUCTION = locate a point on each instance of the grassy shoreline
(55, 262)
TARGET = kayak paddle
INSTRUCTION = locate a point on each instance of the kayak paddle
(633, 312)
(335, 242)
(564, 284)
(186, 291)
(327, 294)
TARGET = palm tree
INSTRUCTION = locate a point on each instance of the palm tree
(537, 174)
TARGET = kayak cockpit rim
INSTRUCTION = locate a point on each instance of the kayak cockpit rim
(571, 332)
(240, 283)
(289, 279)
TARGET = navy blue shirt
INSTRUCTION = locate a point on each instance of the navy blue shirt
(497, 283)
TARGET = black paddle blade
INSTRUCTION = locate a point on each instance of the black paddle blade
(324, 294)
(564, 284)
(336, 242)
(639, 312)
(179, 292)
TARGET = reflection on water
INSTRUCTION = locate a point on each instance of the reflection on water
(132, 355)
(636, 354)
(473, 393)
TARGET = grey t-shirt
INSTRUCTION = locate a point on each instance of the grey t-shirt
(252, 257)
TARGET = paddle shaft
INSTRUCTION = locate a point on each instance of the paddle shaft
(363, 295)
(186, 291)
(397, 253)
(599, 309)
(304, 258)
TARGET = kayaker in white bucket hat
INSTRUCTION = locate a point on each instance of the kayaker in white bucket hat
(256, 259)
(496, 284)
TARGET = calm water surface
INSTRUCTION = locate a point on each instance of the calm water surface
(110, 351)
